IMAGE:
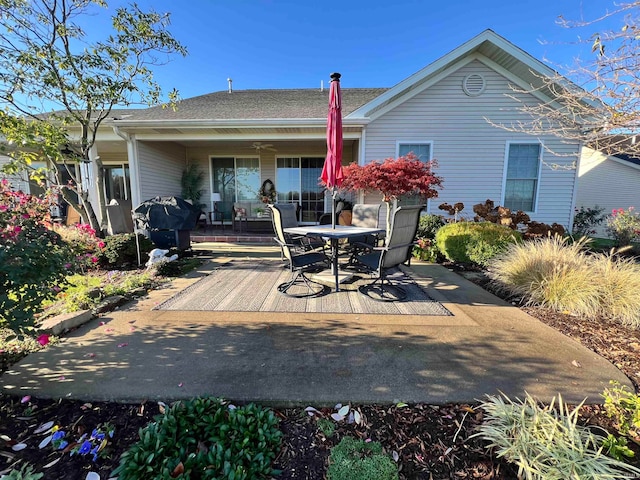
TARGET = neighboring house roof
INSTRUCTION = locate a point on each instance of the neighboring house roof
(628, 158)
(259, 104)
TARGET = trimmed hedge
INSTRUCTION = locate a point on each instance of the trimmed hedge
(474, 242)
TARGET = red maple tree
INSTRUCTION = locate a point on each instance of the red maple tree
(393, 177)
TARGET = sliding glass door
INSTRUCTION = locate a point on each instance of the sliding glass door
(237, 179)
(297, 181)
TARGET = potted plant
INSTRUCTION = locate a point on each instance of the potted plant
(191, 183)
(344, 214)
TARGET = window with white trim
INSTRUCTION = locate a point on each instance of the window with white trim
(422, 150)
(522, 178)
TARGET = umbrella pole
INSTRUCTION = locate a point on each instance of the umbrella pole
(333, 207)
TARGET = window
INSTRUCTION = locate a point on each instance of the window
(521, 182)
(117, 182)
(422, 150)
(236, 179)
(297, 181)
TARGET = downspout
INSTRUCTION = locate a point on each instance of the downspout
(134, 167)
(574, 197)
(361, 157)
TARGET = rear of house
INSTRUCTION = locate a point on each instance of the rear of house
(452, 111)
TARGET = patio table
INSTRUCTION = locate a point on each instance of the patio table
(333, 234)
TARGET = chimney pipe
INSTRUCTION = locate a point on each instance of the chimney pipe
(230, 82)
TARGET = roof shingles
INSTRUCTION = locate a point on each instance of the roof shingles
(260, 104)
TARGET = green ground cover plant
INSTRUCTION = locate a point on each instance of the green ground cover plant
(205, 438)
(357, 459)
(546, 442)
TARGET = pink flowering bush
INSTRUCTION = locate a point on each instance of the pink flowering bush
(32, 257)
(84, 244)
(624, 226)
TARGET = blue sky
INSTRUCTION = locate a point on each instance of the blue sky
(298, 43)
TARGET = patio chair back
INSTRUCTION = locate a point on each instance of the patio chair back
(399, 244)
(288, 214)
(366, 215)
(278, 229)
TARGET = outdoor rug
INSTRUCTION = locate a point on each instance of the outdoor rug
(251, 286)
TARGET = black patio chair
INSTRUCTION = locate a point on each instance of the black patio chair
(396, 250)
(365, 215)
(301, 261)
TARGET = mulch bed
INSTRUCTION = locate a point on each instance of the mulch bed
(432, 442)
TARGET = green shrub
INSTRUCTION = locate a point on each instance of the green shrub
(25, 473)
(33, 258)
(429, 225)
(623, 407)
(585, 219)
(476, 242)
(624, 226)
(204, 438)
(547, 444)
(355, 459)
(121, 250)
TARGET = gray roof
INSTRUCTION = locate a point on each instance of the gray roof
(259, 104)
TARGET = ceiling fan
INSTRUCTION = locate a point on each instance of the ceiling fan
(258, 146)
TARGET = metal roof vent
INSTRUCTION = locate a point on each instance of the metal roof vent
(473, 84)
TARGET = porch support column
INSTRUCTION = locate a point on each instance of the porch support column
(134, 168)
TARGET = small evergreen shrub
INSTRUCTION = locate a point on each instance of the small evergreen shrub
(474, 242)
(205, 438)
(355, 459)
(547, 443)
(121, 250)
(429, 225)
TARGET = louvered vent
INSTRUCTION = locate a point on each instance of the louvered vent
(473, 84)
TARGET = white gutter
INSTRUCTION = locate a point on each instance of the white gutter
(261, 123)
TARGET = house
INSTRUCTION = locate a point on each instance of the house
(446, 111)
(608, 181)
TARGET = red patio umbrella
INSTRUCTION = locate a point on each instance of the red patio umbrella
(332, 169)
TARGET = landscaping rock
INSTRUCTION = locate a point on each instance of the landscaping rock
(110, 303)
(66, 321)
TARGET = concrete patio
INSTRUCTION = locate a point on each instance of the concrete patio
(487, 346)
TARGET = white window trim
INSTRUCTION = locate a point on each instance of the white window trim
(506, 165)
(415, 142)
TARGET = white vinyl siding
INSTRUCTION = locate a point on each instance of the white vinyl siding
(469, 150)
(522, 176)
(160, 165)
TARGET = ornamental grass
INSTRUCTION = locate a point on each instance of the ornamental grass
(546, 443)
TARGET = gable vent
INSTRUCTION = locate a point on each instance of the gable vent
(473, 84)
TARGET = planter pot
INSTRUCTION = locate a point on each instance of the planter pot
(345, 217)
